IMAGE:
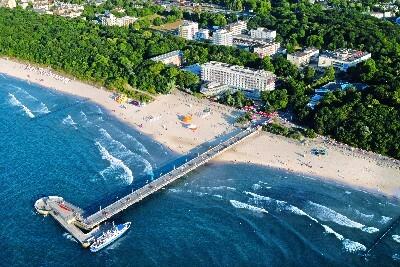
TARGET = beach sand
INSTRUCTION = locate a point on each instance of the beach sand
(161, 120)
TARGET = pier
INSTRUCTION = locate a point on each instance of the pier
(71, 217)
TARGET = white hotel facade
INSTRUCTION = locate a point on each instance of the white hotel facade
(238, 77)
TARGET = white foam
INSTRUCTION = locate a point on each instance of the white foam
(353, 246)
(123, 152)
(218, 188)
(396, 238)
(241, 205)
(69, 121)
(348, 245)
(200, 194)
(217, 196)
(258, 197)
(384, 219)
(396, 257)
(370, 230)
(115, 163)
(28, 95)
(348, 192)
(15, 102)
(42, 108)
(326, 214)
(329, 230)
(256, 187)
(300, 212)
(84, 117)
(174, 190)
(364, 216)
(139, 145)
(69, 237)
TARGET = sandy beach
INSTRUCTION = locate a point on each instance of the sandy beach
(161, 120)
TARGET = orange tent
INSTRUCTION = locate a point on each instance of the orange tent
(187, 119)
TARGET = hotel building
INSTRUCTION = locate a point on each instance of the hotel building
(342, 58)
(239, 77)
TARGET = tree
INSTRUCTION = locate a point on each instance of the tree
(267, 64)
(309, 74)
(275, 100)
(367, 70)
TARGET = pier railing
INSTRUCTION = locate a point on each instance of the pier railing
(152, 187)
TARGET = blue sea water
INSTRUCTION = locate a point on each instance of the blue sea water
(219, 215)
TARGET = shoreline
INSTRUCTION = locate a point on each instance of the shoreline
(161, 121)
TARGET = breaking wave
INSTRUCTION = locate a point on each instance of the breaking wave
(43, 109)
(364, 216)
(259, 185)
(326, 214)
(15, 102)
(384, 219)
(353, 246)
(396, 238)
(115, 164)
(69, 121)
(123, 152)
(348, 245)
(258, 197)
(241, 205)
(84, 117)
(139, 145)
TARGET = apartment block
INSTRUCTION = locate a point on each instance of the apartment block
(222, 37)
(237, 27)
(263, 33)
(188, 30)
(110, 20)
(239, 77)
(268, 49)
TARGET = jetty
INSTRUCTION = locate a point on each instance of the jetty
(72, 217)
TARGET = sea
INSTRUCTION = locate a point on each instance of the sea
(221, 214)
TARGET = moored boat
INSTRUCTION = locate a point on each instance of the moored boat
(109, 236)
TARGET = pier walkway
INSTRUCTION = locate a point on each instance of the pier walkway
(121, 204)
(85, 228)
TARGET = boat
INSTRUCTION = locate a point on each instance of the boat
(109, 236)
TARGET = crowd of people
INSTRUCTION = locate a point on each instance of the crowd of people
(47, 72)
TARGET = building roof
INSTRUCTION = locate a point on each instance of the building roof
(248, 38)
(345, 54)
(262, 29)
(188, 23)
(167, 55)
(304, 52)
(240, 69)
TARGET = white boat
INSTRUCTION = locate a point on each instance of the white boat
(109, 236)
